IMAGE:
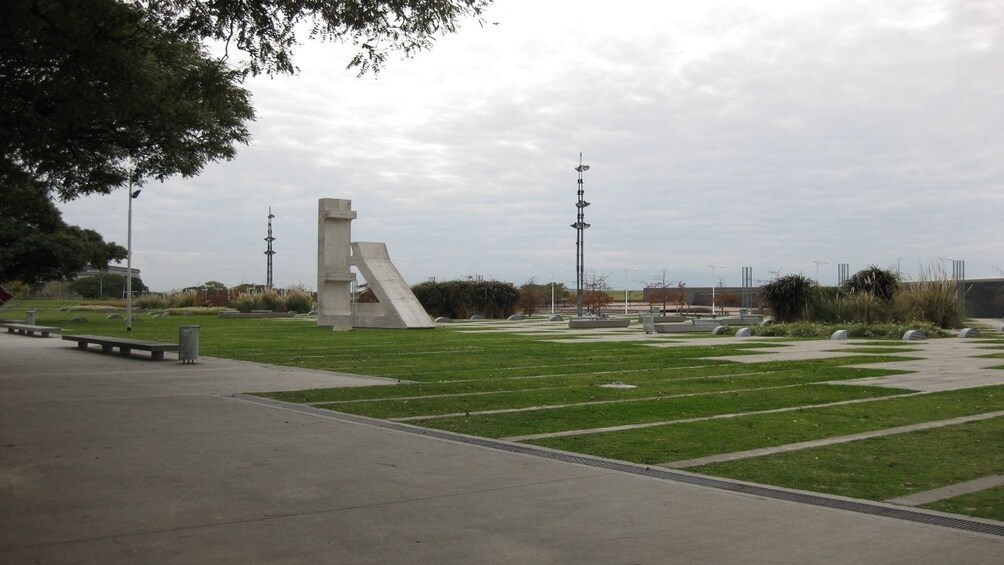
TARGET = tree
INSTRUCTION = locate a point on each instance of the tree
(105, 286)
(96, 91)
(596, 294)
(265, 30)
(100, 94)
(666, 291)
(36, 245)
(531, 296)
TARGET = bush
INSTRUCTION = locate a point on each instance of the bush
(269, 299)
(857, 331)
(295, 300)
(244, 302)
(150, 302)
(298, 300)
(463, 299)
(790, 297)
(864, 308)
(883, 284)
(936, 301)
(188, 299)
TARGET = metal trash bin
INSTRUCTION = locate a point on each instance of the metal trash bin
(188, 344)
(29, 317)
(648, 322)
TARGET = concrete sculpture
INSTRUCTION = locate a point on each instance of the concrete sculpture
(397, 307)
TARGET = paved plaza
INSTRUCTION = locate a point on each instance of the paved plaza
(111, 460)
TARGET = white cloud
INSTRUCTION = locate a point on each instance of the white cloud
(766, 135)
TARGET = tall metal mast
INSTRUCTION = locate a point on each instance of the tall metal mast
(580, 226)
(268, 251)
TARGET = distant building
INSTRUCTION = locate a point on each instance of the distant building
(111, 270)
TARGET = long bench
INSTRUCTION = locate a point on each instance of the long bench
(125, 346)
(690, 326)
(29, 329)
(593, 323)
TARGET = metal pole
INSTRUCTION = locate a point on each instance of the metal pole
(268, 251)
(129, 256)
(714, 274)
(625, 291)
(580, 225)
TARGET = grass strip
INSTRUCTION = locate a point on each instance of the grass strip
(984, 504)
(686, 369)
(699, 439)
(881, 468)
(647, 411)
(589, 391)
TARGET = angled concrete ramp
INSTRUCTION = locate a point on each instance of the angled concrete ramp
(398, 308)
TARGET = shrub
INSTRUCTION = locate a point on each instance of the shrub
(865, 308)
(463, 299)
(188, 299)
(298, 300)
(934, 300)
(244, 302)
(269, 299)
(883, 284)
(857, 331)
(790, 297)
(150, 302)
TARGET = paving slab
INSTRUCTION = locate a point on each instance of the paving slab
(110, 460)
(951, 491)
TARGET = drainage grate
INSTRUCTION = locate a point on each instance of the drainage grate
(859, 506)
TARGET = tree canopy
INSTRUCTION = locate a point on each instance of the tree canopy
(36, 245)
(95, 94)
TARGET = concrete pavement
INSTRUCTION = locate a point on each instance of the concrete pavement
(112, 460)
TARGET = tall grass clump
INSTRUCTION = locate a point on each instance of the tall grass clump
(188, 299)
(790, 297)
(294, 300)
(250, 300)
(883, 284)
(934, 299)
(298, 300)
(864, 308)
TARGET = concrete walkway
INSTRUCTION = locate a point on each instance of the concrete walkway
(951, 491)
(110, 460)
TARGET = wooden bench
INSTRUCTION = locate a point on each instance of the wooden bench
(29, 329)
(125, 345)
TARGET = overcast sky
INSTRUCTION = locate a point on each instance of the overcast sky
(765, 134)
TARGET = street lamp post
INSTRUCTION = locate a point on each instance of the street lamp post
(714, 277)
(580, 226)
(626, 288)
(818, 263)
(132, 196)
(552, 291)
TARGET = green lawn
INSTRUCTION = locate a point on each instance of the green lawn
(881, 468)
(984, 504)
(536, 385)
(677, 442)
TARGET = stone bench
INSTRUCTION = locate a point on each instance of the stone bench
(661, 319)
(592, 323)
(29, 329)
(124, 345)
(689, 326)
